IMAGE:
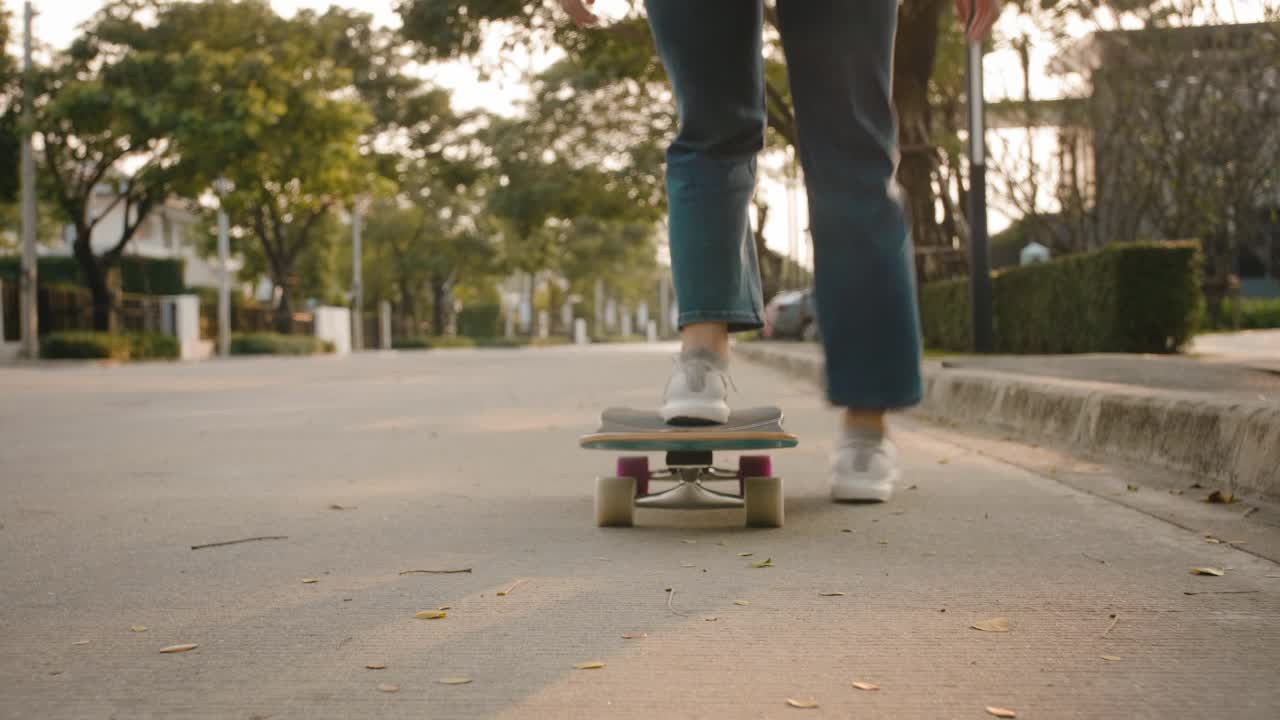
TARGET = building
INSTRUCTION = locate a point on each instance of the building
(167, 232)
(1171, 117)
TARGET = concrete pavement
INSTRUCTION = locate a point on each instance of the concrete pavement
(467, 459)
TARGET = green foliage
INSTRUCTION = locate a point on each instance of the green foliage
(138, 275)
(446, 342)
(478, 321)
(1255, 314)
(107, 346)
(1132, 297)
(278, 344)
(411, 343)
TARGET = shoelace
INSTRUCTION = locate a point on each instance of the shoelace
(696, 370)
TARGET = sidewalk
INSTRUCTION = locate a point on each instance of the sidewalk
(1213, 418)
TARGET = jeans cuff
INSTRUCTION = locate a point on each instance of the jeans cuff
(737, 320)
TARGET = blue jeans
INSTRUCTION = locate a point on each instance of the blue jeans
(839, 60)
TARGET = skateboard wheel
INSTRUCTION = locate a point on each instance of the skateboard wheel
(752, 466)
(635, 466)
(615, 501)
(764, 501)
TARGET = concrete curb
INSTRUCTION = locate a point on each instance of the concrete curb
(1232, 444)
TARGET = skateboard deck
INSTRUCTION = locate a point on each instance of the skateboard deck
(748, 429)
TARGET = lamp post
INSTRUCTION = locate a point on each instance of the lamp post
(357, 278)
(979, 256)
(223, 187)
(29, 303)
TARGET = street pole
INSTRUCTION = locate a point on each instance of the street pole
(979, 256)
(357, 283)
(222, 187)
(30, 318)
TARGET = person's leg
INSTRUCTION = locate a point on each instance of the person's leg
(711, 50)
(840, 58)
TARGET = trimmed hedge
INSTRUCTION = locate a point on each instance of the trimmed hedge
(428, 343)
(482, 320)
(277, 344)
(1255, 314)
(138, 275)
(1131, 298)
(106, 346)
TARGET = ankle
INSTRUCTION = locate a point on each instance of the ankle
(865, 423)
(708, 337)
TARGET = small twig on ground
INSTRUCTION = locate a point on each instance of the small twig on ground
(1114, 620)
(237, 542)
(344, 642)
(670, 596)
(436, 572)
(1097, 560)
(1250, 511)
(1219, 592)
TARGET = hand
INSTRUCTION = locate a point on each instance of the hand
(579, 12)
(985, 13)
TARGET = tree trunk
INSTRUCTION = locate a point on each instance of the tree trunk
(441, 305)
(284, 309)
(914, 54)
(95, 276)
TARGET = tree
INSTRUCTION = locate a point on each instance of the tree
(265, 105)
(101, 111)
(617, 66)
(1170, 92)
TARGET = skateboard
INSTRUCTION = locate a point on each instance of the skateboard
(689, 465)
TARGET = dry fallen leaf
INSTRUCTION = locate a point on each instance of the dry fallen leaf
(454, 681)
(80, 642)
(139, 628)
(1131, 487)
(310, 581)
(388, 688)
(445, 607)
(635, 636)
(884, 542)
(508, 591)
(687, 565)
(837, 593)
(997, 625)
(1217, 496)
(376, 666)
(802, 704)
(767, 562)
(589, 665)
(1211, 540)
(943, 461)
(865, 685)
(743, 603)
(431, 615)
(1110, 658)
(1001, 712)
(689, 542)
(711, 619)
(179, 648)
(1207, 571)
(745, 554)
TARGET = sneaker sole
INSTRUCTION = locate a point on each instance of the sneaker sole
(847, 490)
(695, 412)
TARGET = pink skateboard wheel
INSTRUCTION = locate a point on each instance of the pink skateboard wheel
(635, 467)
(753, 466)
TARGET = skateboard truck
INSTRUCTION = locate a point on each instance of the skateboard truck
(689, 493)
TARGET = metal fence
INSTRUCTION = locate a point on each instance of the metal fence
(64, 308)
(253, 319)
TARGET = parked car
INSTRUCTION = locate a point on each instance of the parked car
(791, 315)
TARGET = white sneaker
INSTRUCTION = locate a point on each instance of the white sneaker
(698, 390)
(864, 471)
